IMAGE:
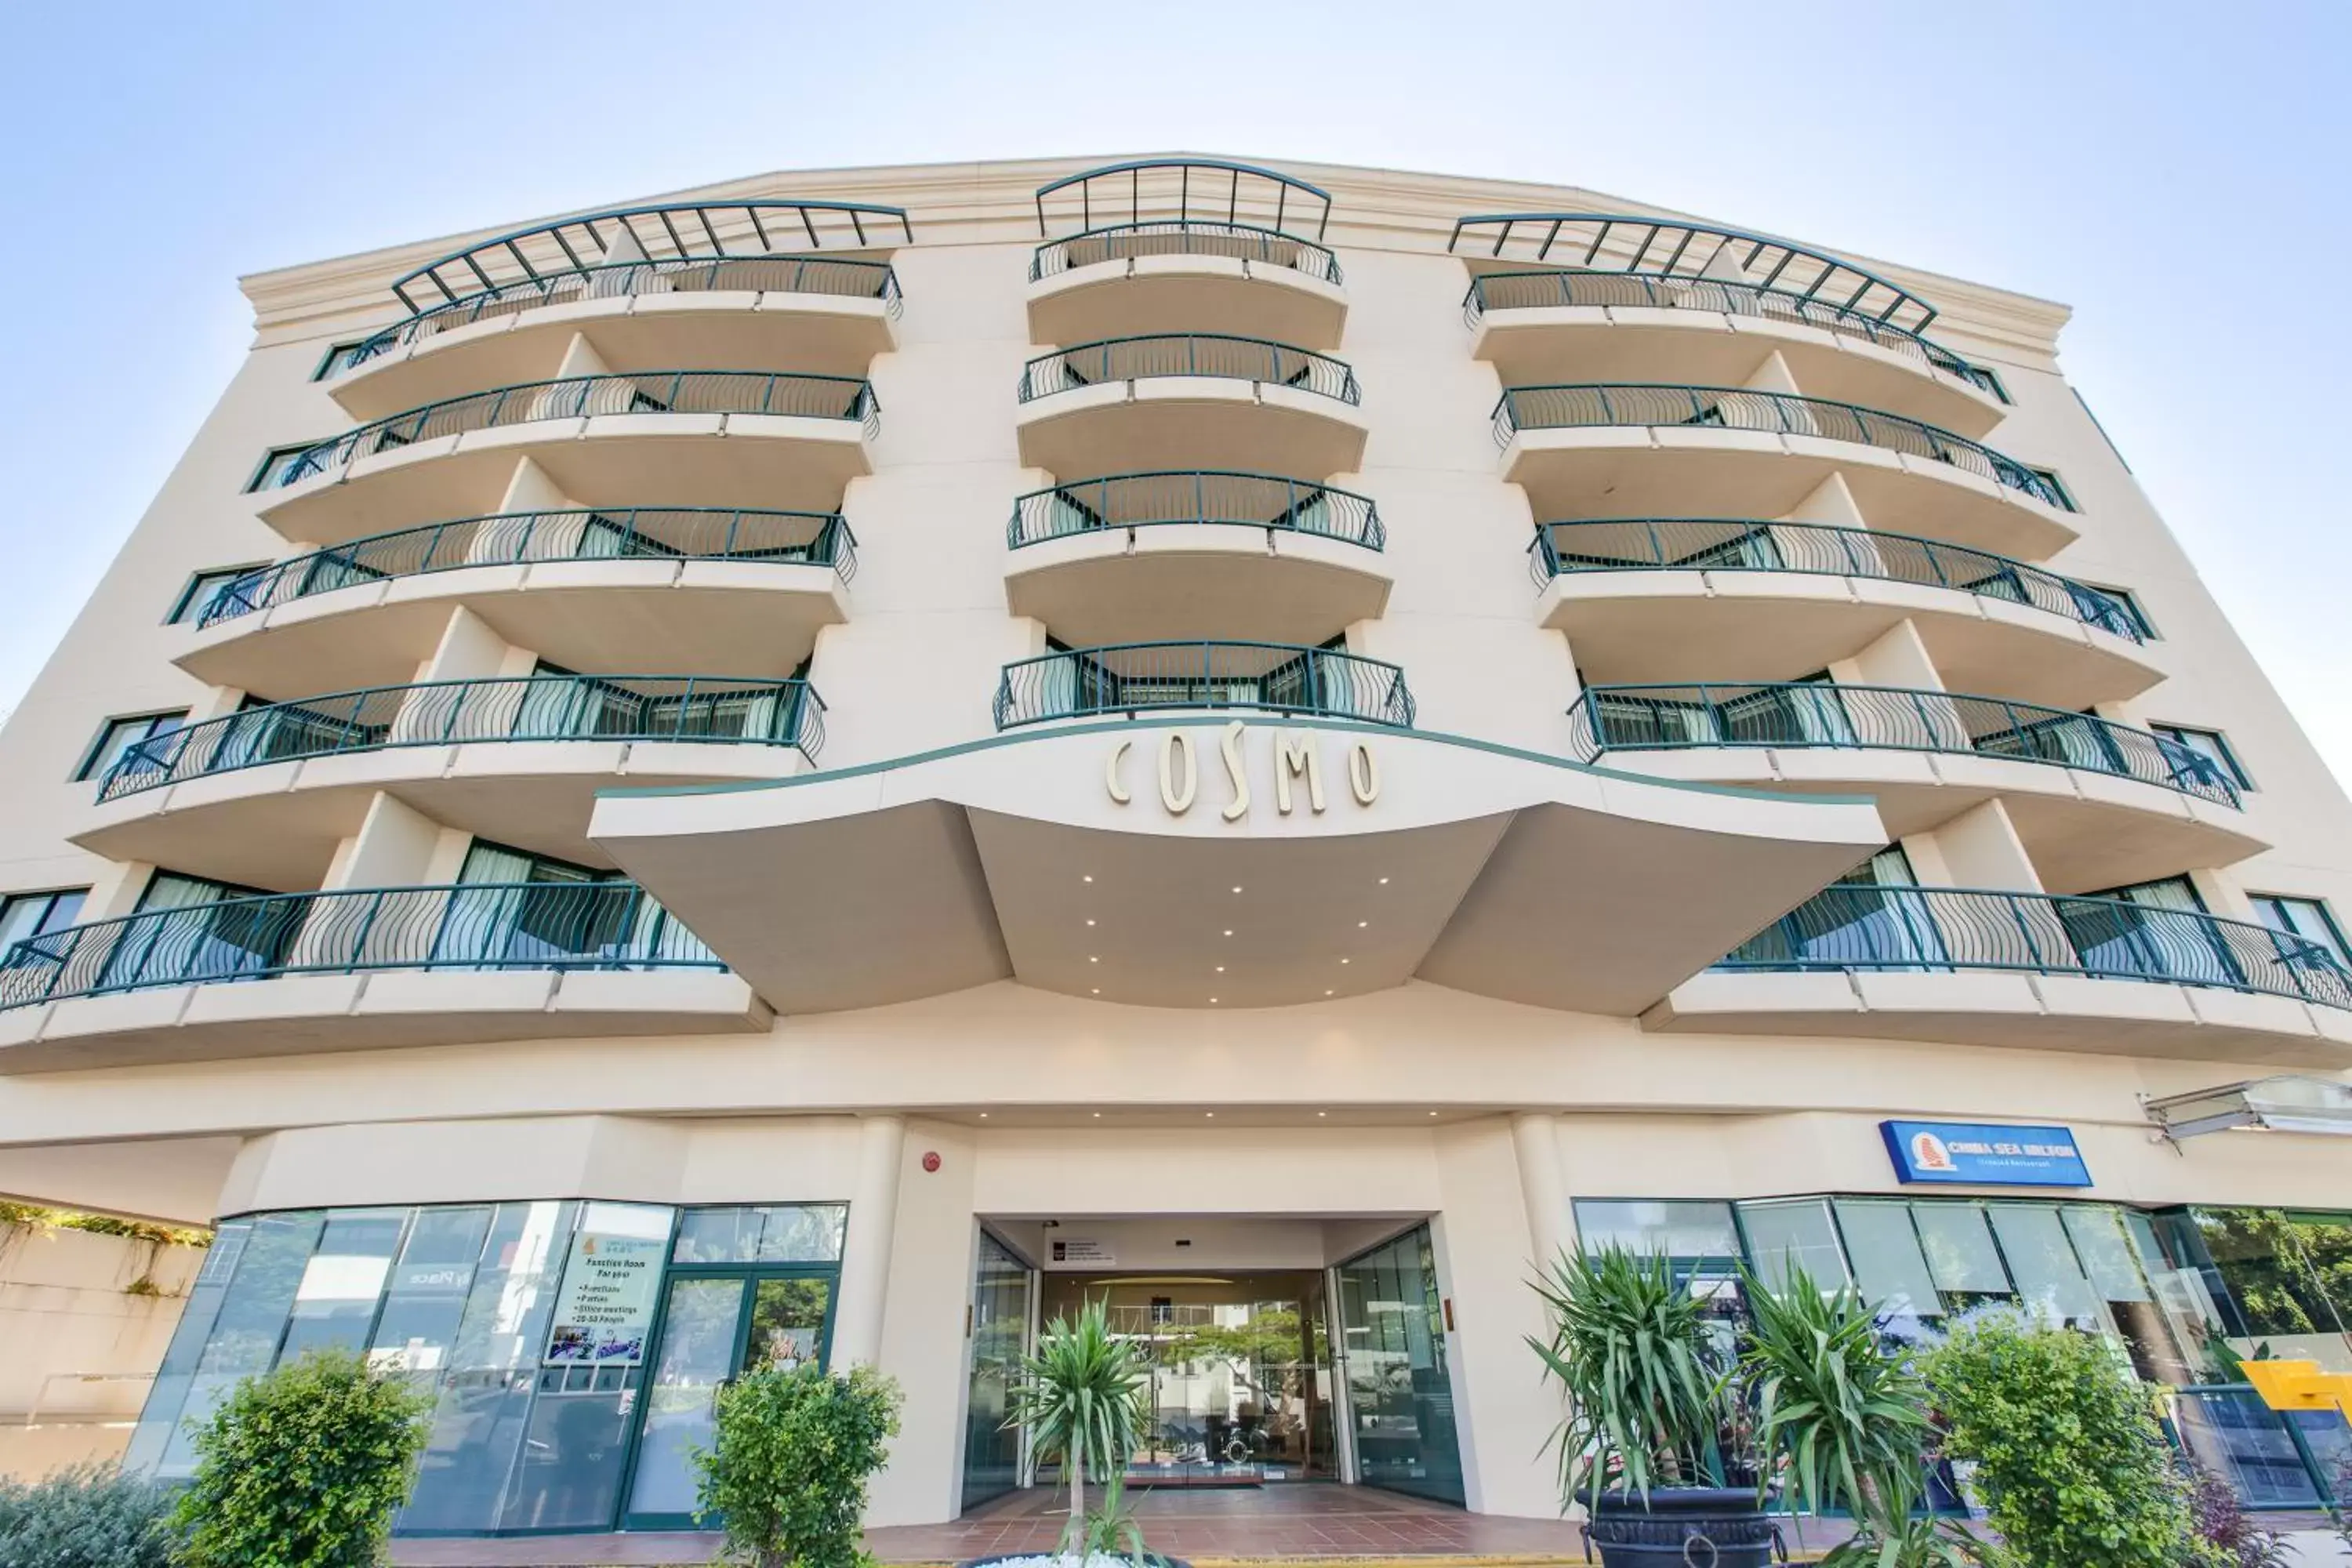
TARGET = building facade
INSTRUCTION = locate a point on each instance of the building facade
(825, 766)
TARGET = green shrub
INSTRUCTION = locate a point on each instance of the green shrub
(302, 1467)
(2071, 1463)
(793, 1454)
(88, 1516)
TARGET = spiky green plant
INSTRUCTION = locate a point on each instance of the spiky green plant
(1850, 1418)
(1082, 1397)
(1646, 1398)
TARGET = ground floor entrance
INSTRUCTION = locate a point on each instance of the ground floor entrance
(1258, 1376)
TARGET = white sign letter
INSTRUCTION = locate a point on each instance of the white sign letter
(1231, 747)
(1363, 773)
(1178, 744)
(1296, 753)
(1111, 772)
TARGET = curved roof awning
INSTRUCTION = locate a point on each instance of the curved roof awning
(1197, 190)
(1488, 869)
(664, 231)
(1668, 247)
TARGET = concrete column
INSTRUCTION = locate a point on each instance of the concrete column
(1534, 1138)
(1981, 849)
(1896, 657)
(865, 1251)
(394, 847)
(1773, 375)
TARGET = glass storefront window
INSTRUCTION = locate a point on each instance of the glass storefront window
(1961, 1257)
(1889, 1269)
(1695, 1233)
(1000, 1334)
(528, 1324)
(342, 1283)
(2043, 1267)
(1793, 1232)
(775, 1233)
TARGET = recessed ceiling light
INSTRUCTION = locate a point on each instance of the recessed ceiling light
(1345, 961)
(1361, 924)
(1237, 890)
(1210, 1114)
(1098, 991)
(1086, 878)
(1322, 1113)
(1213, 1001)
(1327, 994)
(984, 1116)
(1097, 1116)
(1221, 969)
(1384, 881)
(1432, 1113)
(1229, 934)
(1090, 922)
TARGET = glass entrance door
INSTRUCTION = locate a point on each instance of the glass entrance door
(714, 1326)
(1400, 1398)
(1000, 1334)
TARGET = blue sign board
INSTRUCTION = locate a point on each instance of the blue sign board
(1979, 1154)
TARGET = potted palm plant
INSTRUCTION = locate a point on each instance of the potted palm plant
(1652, 1441)
(1847, 1422)
(1083, 1399)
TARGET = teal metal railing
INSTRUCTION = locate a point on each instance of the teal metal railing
(525, 538)
(1187, 353)
(585, 396)
(702, 710)
(1852, 926)
(1532, 291)
(1734, 408)
(1184, 237)
(1756, 544)
(1195, 496)
(1786, 715)
(614, 280)
(1145, 677)
(473, 926)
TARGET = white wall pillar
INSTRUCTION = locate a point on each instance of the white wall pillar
(1981, 849)
(865, 1251)
(1899, 656)
(1536, 1139)
(394, 847)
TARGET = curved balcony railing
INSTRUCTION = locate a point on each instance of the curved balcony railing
(1755, 544)
(1732, 409)
(468, 926)
(1529, 290)
(704, 709)
(614, 281)
(1785, 715)
(1195, 496)
(1864, 927)
(528, 538)
(1187, 353)
(579, 396)
(1137, 678)
(1184, 237)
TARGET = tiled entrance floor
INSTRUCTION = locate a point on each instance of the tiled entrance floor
(1303, 1520)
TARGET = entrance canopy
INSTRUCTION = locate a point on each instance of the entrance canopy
(1200, 862)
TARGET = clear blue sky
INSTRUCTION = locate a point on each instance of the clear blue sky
(2180, 174)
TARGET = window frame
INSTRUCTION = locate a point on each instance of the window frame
(1997, 387)
(2132, 607)
(2067, 501)
(86, 768)
(335, 351)
(41, 927)
(184, 608)
(259, 478)
(2334, 940)
(2227, 754)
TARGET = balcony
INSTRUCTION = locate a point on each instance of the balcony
(2096, 803)
(2023, 969)
(1177, 245)
(1254, 557)
(1189, 400)
(1133, 678)
(689, 589)
(1538, 327)
(355, 969)
(648, 439)
(1633, 450)
(264, 797)
(1678, 598)
(1228, 859)
(716, 286)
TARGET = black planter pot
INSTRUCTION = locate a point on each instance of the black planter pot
(1681, 1527)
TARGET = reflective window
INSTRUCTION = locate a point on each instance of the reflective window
(777, 1233)
(1797, 1233)
(2306, 918)
(200, 588)
(1693, 1233)
(24, 915)
(1890, 1269)
(116, 736)
(335, 1307)
(2210, 748)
